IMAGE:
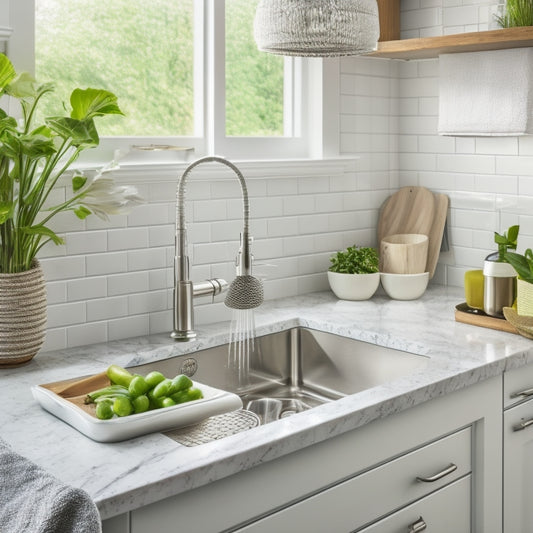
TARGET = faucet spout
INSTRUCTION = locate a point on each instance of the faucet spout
(245, 294)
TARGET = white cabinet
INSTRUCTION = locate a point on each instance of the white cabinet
(518, 451)
(341, 484)
(389, 487)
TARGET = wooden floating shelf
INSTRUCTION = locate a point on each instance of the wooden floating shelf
(431, 47)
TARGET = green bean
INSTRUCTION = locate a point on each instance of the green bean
(162, 388)
(104, 410)
(188, 395)
(105, 391)
(119, 376)
(141, 403)
(122, 406)
(138, 386)
(153, 378)
(179, 383)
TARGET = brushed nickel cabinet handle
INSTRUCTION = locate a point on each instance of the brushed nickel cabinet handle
(419, 525)
(525, 392)
(438, 475)
(523, 425)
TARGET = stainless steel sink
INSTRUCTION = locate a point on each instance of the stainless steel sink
(298, 369)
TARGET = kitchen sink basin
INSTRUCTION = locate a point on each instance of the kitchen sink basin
(295, 370)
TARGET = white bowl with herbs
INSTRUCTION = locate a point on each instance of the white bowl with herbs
(354, 273)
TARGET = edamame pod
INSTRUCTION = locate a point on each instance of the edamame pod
(179, 383)
(138, 386)
(119, 375)
(110, 390)
(162, 388)
(187, 395)
(104, 410)
(141, 403)
(153, 378)
(122, 406)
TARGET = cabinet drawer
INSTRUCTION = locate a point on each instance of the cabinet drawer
(444, 511)
(369, 496)
(517, 385)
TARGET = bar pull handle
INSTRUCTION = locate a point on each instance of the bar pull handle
(419, 525)
(525, 393)
(523, 424)
(438, 475)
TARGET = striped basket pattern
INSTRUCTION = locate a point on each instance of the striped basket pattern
(22, 315)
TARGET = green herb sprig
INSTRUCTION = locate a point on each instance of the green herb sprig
(354, 260)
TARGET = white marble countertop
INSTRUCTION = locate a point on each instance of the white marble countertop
(127, 475)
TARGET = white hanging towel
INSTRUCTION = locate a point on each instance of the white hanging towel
(486, 93)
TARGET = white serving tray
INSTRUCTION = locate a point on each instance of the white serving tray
(214, 402)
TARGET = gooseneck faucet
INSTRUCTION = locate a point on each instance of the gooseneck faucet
(245, 292)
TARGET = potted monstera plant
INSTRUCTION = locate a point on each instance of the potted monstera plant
(34, 157)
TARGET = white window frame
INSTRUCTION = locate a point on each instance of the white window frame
(311, 116)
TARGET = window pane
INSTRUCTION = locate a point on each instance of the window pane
(140, 50)
(254, 80)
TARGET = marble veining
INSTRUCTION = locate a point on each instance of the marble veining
(127, 475)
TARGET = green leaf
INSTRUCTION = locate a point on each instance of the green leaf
(6, 211)
(7, 72)
(78, 182)
(512, 234)
(81, 133)
(39, 229)
(522, 264)
(82, 212)
(89, 103)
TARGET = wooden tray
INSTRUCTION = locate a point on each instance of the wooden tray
(475, 317)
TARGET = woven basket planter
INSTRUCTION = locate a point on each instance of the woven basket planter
(22, 315)
(524, 298)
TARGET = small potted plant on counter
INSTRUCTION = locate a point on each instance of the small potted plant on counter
(499, 276)
(354, 273)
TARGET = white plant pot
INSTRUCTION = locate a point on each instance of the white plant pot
(353, 286)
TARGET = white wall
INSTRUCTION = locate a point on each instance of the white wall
(112, 282)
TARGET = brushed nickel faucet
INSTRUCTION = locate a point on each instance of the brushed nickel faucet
(245, 292)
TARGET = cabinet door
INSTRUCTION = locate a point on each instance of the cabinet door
(444, 511)
(518, 469)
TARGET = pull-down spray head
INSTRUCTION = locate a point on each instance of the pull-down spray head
(246, 291)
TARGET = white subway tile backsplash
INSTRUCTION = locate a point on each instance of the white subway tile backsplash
(108, 263)
(90, 333)
(127, 283)
(107, 308)
(131, 326)
(66, 314)
(86, 288)
(127, 238)
(62, 268)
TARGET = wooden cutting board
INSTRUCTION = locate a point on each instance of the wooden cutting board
(410, 210)
(415, 210)
(437, 231)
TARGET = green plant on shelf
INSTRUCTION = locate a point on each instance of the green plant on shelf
(517, 13)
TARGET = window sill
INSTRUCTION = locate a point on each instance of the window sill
(279, 168)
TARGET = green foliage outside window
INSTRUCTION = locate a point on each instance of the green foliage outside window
(142, 51)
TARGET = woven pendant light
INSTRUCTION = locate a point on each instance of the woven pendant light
(319, 28)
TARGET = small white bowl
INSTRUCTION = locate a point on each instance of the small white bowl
(405, 286)
(353, 286)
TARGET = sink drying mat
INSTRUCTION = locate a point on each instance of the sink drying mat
(215, 428)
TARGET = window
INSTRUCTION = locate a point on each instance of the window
(186, 72)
